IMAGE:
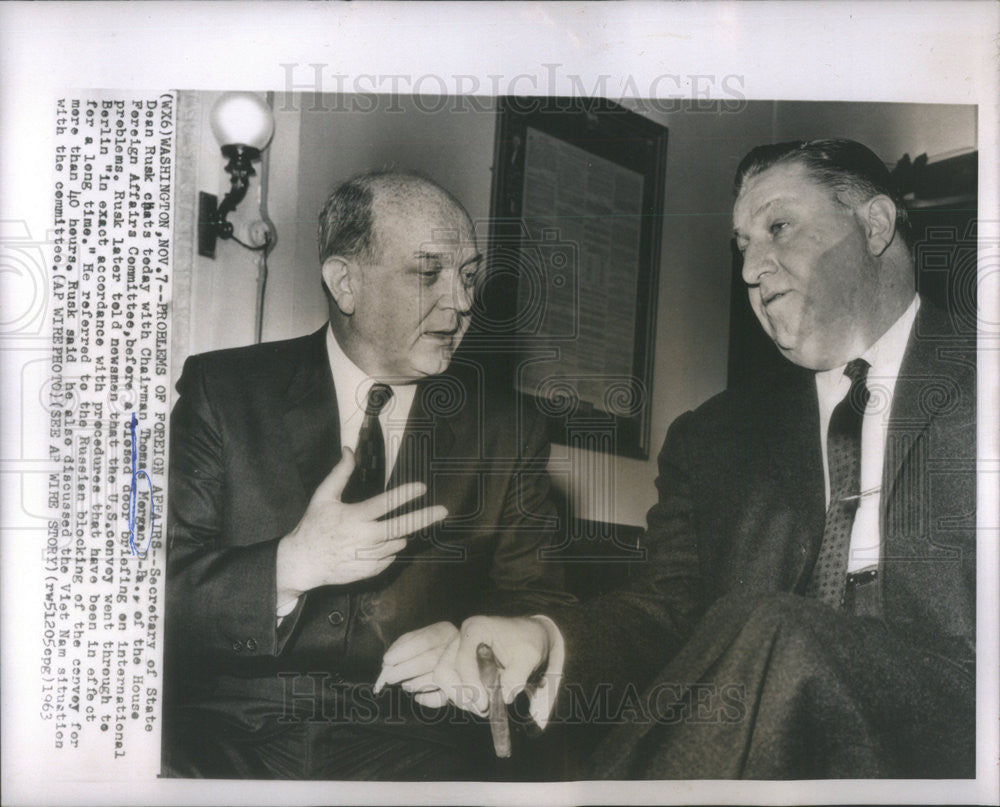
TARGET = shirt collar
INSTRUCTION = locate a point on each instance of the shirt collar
(350, 381)
(352, 385)
(884, 357)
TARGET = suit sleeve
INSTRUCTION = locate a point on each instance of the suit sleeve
(220, 595)
(524, 580)
(627, 635)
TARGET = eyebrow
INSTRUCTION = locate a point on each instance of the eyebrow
(760, 209)
(422, 255)
(770, 203)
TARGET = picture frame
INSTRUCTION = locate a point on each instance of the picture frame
(574, 292)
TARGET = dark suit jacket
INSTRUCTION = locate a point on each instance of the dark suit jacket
(741, 509)
(254, 432)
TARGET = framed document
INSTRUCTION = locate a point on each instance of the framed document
(574, 252)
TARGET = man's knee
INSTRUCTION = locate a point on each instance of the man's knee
(769, 614)
(790, 612)
(792, 627)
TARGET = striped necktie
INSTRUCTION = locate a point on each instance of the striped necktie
(368, 478)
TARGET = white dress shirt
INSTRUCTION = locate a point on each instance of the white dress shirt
(352, 385)
(884, 359)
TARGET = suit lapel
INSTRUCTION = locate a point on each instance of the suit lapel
(311, 417)
(924, 389)
(427, 440)
(428, 437)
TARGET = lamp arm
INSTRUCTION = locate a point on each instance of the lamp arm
(212, 222)
(240, 169)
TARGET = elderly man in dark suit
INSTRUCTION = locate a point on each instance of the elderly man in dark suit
(293, 565)
(807, 608)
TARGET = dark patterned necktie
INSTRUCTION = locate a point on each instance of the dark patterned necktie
(368, 478)
(843, 450)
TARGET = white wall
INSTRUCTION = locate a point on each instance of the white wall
(222, 290)
(890, 130)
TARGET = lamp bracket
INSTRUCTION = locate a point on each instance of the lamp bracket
(212, 223)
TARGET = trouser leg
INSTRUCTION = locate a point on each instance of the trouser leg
(822, 694)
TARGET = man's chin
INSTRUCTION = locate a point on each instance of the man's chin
(791, 347)
(794, 352)
(817, 360)
(794, 356)
(432, 364)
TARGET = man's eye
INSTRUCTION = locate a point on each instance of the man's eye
(430, 272)
(469, 277)
(778, 226)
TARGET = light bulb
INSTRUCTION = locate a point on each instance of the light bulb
(242, 119)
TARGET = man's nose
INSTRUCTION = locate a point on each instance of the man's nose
(758, 260)
(459, 296)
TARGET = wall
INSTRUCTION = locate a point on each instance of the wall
(320, 140)
(890, 130)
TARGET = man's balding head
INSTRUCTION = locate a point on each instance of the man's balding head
(348, 222)
(399, 263)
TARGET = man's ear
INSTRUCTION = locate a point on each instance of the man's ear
(339, 281)
(879, 214)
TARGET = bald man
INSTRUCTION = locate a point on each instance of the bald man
(333, 493)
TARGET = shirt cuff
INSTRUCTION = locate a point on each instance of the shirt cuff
(284, 609)
(543, 699)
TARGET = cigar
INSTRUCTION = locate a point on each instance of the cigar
(489, 674)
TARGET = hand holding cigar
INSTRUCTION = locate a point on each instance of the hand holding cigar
(489, 674)
(468, 671)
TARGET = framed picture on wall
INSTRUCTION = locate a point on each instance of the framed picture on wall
(574, 252)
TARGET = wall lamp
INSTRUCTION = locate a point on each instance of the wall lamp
(242, 124)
